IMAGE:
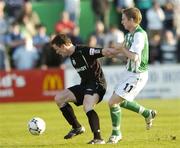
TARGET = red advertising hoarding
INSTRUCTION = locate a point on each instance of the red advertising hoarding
(30, 85)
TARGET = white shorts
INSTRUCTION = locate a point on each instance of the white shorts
(131, 84)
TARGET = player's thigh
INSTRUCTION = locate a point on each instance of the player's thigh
(90, 101)
(115, 99)
(65, 96)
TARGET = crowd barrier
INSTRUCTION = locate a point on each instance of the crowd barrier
(163, 82)
(42, 85)
(30, 85)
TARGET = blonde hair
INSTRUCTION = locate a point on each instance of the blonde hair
(133, 13)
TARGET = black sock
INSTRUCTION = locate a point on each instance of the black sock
(69, 115)
(94, 123)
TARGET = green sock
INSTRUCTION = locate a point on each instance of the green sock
(115, 112)
(135, 107)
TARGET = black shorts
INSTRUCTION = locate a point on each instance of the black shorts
(80, 90)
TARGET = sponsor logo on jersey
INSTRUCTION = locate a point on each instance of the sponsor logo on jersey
(91, 51)
(83, 68)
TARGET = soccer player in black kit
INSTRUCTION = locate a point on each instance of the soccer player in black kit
(89, 92)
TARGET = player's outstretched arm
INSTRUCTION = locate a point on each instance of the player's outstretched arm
(111, 52)
(131, 55)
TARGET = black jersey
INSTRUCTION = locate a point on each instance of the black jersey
(85, 61)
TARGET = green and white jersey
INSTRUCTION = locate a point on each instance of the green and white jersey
(137, 42)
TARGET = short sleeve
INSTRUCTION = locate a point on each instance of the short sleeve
(138, 43)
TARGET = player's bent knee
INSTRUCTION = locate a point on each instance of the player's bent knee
(110, 103)
(59, 98)
(56, 98)
(87, 107)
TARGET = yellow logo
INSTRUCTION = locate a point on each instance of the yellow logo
(52, 82)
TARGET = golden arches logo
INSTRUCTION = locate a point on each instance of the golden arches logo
(52, 82)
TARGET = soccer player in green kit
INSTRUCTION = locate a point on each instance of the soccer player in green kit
(135, 48)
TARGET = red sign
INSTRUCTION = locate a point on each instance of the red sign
(30, 85)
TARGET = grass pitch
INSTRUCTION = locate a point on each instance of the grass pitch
(15, 116)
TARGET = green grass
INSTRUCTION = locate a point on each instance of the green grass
(14, 134)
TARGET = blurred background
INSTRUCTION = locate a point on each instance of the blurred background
(27, 60)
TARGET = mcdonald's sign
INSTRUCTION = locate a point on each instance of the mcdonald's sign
(52, 82)
(18, 85)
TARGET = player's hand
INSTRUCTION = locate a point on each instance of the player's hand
(106, 52)
(110, 52)
(119, 47)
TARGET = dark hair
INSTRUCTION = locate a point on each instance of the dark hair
(60, 39)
